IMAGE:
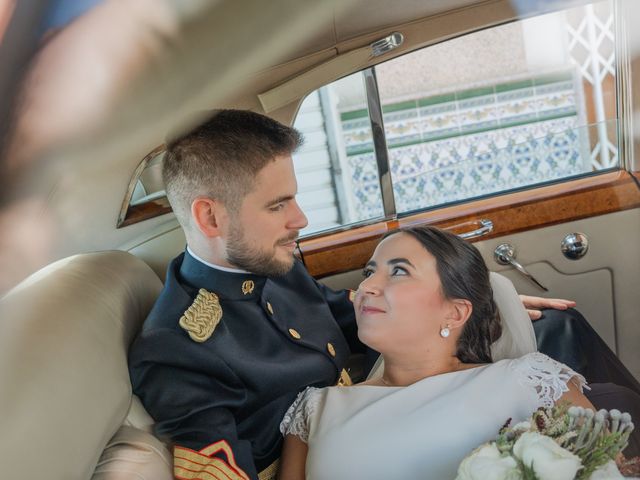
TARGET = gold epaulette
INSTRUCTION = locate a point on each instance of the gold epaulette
(202, 317)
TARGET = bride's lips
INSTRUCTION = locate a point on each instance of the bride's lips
(369, 310)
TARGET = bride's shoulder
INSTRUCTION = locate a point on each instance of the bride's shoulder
(308, 395)
(297, 417)
(545, 375)
(536, 361)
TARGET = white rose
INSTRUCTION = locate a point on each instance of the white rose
(608, 471)
(486, 463)
(521, 427)
(548, 459)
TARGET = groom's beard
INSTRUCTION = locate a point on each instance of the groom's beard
(262, 262)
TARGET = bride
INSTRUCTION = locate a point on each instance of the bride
(426, 304)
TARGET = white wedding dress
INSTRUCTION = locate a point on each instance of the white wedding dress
(422, 431)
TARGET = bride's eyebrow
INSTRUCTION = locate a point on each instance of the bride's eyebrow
(370, 263)
(395, 261)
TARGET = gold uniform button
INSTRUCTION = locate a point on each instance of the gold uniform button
(294, 334)
(270, 308)
(331, 349)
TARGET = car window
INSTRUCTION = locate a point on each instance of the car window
(336, 156)
(508, 107)
(145, 197)
(521, 104)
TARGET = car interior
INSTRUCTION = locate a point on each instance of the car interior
(511, 123)
(70, 396)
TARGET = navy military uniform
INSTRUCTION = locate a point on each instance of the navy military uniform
(220, 398)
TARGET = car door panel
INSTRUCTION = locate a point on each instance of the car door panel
(603, 283)
(345, 250)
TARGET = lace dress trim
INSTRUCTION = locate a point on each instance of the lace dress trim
(548, 377)
(296, 420)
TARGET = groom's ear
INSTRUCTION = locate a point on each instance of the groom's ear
(459, 313)
(209, 216)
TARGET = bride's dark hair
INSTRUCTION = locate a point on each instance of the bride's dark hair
(464, 275)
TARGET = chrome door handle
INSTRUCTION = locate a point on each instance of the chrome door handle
(486, 227)
(505, 254)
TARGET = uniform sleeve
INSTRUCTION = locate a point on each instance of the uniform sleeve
(548, 377)
(192, 394)
(298, 417)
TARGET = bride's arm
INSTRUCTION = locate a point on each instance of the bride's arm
(575, 396)
(293, 459)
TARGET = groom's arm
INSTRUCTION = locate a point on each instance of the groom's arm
(533, 305)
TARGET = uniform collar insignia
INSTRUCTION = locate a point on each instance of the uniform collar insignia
(227, 285)
(247, 287)
(202, 317)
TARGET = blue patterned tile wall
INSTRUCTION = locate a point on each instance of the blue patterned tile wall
(470, 143)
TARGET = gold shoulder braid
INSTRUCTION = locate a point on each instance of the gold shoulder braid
(202, 317)
(270, 472)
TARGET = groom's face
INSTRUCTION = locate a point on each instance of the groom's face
(262, 234)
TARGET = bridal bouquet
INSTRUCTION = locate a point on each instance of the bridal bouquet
(556, 443)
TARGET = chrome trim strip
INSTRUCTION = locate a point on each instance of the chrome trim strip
(126, 202)
(379, 143)
(341, 228)
(626, 35)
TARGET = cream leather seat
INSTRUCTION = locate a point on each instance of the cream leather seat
(66, 394)
(66, 408)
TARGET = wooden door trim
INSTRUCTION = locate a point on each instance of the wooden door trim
(510, 213)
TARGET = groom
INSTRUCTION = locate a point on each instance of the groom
(240, 327)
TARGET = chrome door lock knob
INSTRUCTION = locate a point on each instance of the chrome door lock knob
(575, 246)
(505, 254)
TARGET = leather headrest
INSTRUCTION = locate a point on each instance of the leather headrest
(64, 336)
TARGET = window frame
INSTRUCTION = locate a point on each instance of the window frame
(154, 207)
(381, 152)
(131, 214)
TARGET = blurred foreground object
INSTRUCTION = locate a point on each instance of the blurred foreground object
(109, 86)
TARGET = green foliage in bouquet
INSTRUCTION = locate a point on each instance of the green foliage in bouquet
(596, 438)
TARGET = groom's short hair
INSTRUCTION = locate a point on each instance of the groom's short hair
(221, 157)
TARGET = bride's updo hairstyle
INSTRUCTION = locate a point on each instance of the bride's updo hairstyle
(464, 275)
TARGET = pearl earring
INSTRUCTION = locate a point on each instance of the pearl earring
(444, 331)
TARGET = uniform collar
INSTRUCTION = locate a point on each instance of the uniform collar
(227, 285)
(213, 265)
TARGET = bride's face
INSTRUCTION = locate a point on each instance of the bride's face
(400, 300)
